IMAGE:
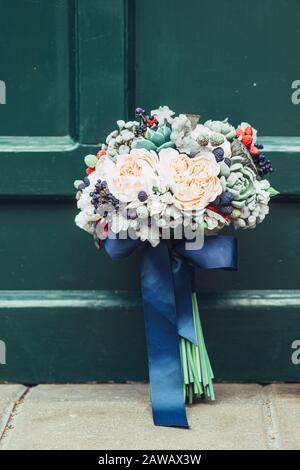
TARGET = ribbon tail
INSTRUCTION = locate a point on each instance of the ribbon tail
(182, 274)
(166, 383)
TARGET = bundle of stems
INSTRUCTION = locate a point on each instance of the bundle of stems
(196, 367)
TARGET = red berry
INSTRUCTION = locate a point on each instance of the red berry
(105, 230)
(89, 170)
(248, 130)
(247, 140)
(214, 209)
(238, 132)
(254, 150)
(152, 121)
(100, 153)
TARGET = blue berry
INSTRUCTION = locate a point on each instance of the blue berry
(139, 131)
(132, 214)
(142, 196)
(217, 201)
(226, 210)
(86, 181)
(226, 198)
(81, 186)
(139, 112)
(227, 161)
(219, 154)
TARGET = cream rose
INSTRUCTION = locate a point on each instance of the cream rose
(194, 181)
(132, 173)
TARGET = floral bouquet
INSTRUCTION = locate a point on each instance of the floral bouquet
(170, 184)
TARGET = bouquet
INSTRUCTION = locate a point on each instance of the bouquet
(171, 184)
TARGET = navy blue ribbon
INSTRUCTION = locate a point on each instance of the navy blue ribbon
(168, 311)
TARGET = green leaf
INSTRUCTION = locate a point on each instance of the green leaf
(166, 131)
(156, 137)
(142, 143)
(272, 191)
(166, 146)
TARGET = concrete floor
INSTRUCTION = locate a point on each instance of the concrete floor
(114, 416)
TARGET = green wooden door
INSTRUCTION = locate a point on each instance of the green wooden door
(70, 69)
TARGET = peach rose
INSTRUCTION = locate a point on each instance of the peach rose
(194, 181)
(132, 173)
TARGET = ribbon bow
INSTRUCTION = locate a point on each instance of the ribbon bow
(168, 311)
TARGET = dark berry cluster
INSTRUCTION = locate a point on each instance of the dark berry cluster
(263, 165)
(223, 203)
(219, 156)
(144, 121)
(102, 196)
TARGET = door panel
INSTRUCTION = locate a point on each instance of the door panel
(71, 69)
(225, 58)
(35, 65)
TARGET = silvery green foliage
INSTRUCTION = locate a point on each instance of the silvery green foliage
(209, 140)
(255, 211)
(163, 114)
(182, 137)
(221, 127)
(119, 141)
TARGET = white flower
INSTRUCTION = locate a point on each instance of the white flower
(121, 123)
(167, 198)
(84, 201)
(119, 223)
(149, 233)
(155, 205)
(142, 212)
(124, 149)
(194, 181)
(134, 224)
(162, 223)
(163, 114)
(132, 173)
(173, 212)
(182, 137)
(82, 221)
(127, 135)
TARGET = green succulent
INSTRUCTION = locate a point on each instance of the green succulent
(239, 150)
(239, 180)
(221, 127)
(154, 139)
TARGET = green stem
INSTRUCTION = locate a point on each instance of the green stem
(196, 367)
